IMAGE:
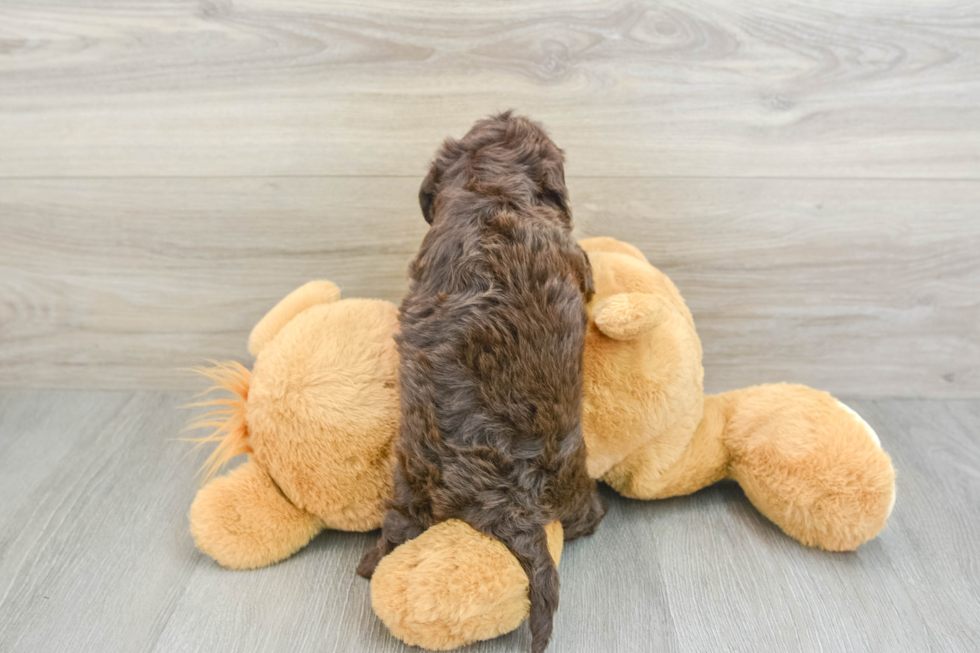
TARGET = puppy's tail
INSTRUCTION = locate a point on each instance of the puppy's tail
(227, 419)
(531, 550)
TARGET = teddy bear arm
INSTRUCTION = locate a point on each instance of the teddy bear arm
(628, 316)
(243, 521)
(307, 295)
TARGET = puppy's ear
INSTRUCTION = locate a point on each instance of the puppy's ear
(553, 186)
(628, 315)
(427, 195)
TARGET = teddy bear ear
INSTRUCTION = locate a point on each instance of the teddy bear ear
(611, 245)
(628, 315)
(307, 295)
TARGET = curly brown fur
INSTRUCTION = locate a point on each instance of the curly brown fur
(491, 344)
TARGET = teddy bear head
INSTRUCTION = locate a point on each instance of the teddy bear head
(643, 373)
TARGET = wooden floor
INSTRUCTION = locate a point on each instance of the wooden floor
(95, 553)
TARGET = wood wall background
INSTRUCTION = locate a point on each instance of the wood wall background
(808, 175)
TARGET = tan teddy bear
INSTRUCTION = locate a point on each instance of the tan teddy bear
(318, 416)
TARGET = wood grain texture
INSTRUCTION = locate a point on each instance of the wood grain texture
(687, 87)
(95, 554)
(93, 529)
(806, 174)
(861, 287)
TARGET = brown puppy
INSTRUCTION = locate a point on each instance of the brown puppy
(492, 336)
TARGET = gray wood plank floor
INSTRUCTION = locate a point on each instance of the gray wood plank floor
(95, 554)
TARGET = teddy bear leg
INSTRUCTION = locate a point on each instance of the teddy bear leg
(453, 586)
(243, 521)
(658, 469)
(811, 465)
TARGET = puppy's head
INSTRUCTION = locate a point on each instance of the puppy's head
(507, 159)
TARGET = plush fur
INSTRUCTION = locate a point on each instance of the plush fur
(244, 521)
(230, 433)
(491, 342)
(318, 416)
(433, 578)
(307, 295)
(806, 461)
(643, 373)
(801, 457)
(313, 411)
